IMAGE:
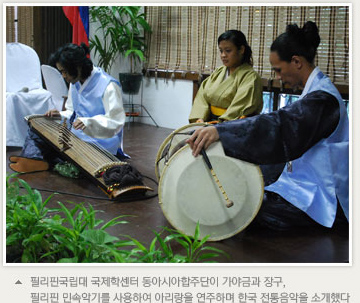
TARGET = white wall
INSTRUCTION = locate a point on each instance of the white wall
(168, 101)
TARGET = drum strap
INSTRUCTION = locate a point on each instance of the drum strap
(166, 155)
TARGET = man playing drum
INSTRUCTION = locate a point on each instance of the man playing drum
(311, 135)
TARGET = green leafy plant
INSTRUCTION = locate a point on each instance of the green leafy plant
(36, 233)
(27, 237)
(122, 31)
(195, 248)
(83, 240)
(160, 250)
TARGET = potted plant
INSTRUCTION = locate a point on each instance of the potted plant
(122, 31)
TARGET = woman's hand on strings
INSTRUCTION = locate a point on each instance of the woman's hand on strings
(202, 138)
(52, 113)
(78, 124)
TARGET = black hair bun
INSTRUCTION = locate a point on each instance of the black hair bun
(85, 48)
(293, 30)
(307, 35)
(311, 33)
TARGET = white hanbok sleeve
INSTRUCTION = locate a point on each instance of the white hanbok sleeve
(112, 122)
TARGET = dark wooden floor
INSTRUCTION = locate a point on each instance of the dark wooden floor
(253, 245)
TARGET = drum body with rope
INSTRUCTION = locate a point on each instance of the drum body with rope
(189, 195)
(171, 144)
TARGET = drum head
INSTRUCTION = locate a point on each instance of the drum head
(172, 141)
(188, 193)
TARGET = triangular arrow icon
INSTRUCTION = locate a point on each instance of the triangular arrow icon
(18, 282)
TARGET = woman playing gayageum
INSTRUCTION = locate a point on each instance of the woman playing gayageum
(94, 109)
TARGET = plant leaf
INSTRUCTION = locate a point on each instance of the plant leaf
(68, 260)
(97, 236)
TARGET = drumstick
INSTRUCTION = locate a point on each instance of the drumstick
(229, 203)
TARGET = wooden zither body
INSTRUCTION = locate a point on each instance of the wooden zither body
(90, 158)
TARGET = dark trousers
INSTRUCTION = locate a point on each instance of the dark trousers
(278, 214)
(36, 148)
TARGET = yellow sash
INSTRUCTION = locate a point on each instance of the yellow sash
(217, 111)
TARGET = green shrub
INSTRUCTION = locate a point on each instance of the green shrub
(36, 233)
